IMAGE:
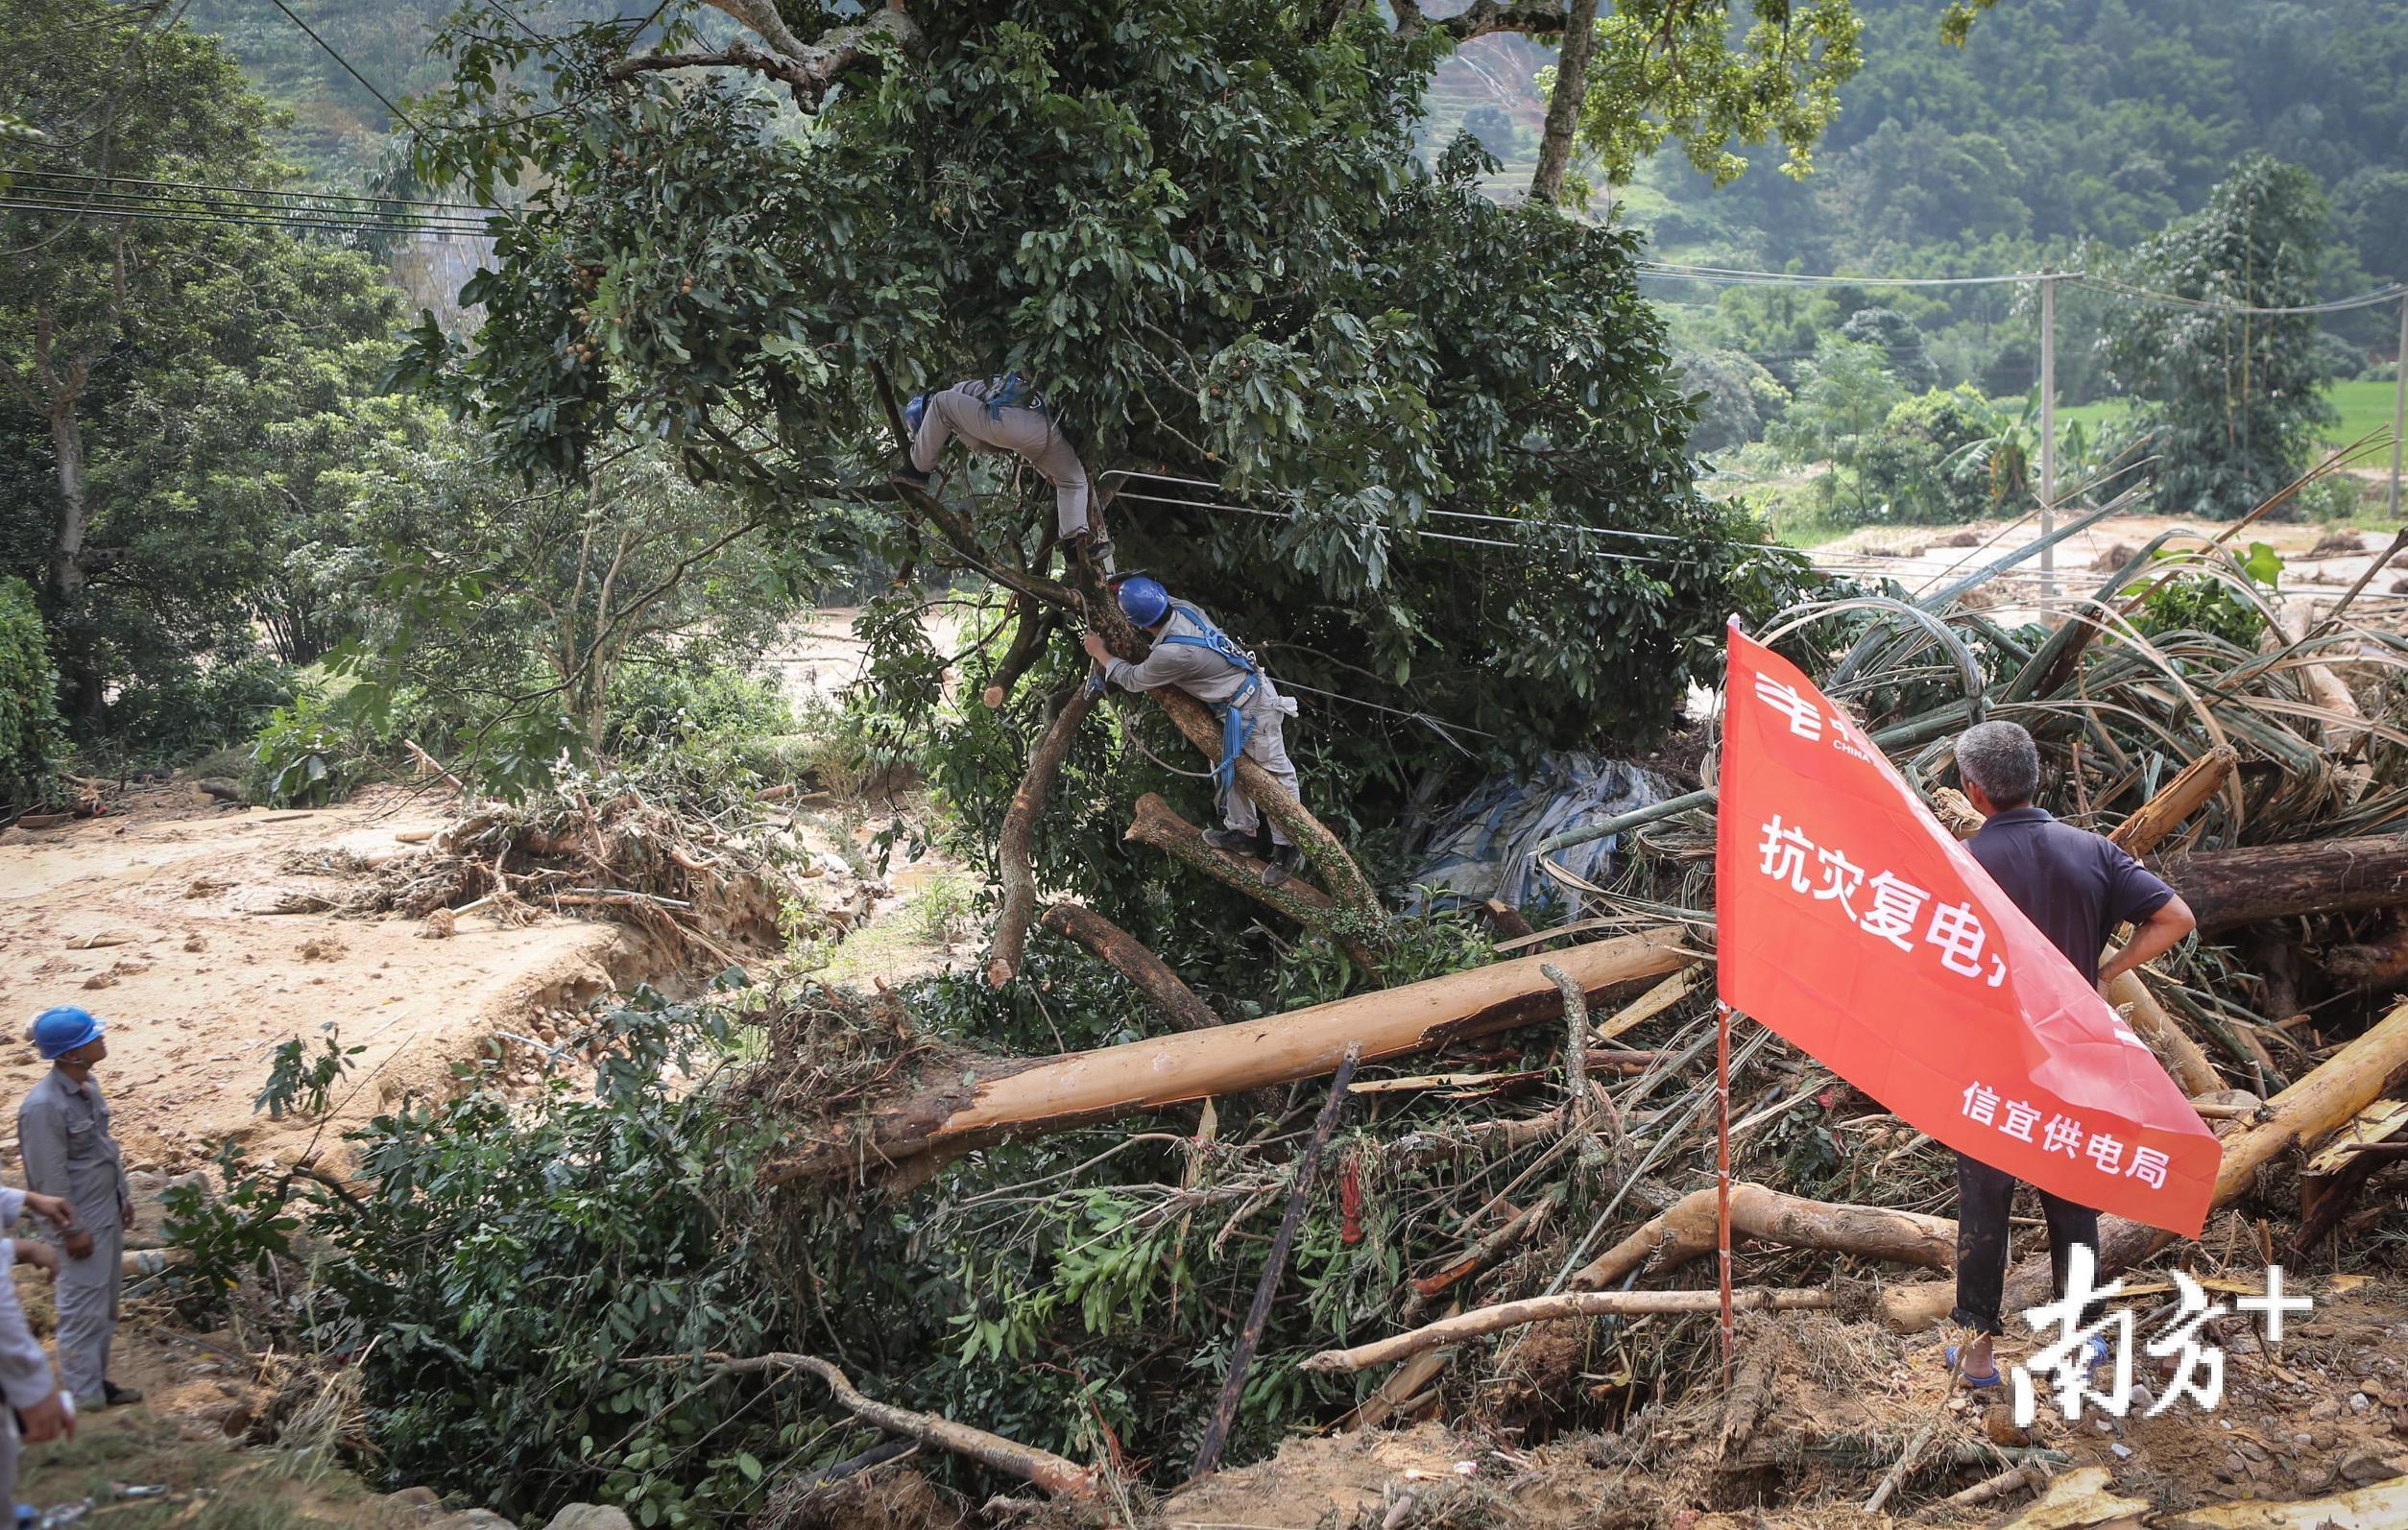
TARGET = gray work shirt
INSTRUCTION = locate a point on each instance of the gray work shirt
(25, 1378)
(63, 1129)
(1200, 672)
(2075, 885)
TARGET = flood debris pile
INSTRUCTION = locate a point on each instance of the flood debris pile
(1508, 1232)
(712, 889)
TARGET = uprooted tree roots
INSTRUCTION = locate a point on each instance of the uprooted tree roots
(709, 896)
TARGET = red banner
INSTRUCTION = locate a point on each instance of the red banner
(1857, 927)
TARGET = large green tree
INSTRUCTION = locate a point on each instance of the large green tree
(1432, 449)
(2235, 397)
(160, 358)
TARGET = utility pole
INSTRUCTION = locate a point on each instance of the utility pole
(2399, 401)
(2048, 437)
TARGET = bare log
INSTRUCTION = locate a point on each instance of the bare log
(1131, 958)
(2174, 1046)
(1055, 1474)
(1019, 1097)
(2230, 888)
(1685, 1230)
(2352, 1079)
(1156, 825)
(1481, 1321)
(2013, 1480)
(1020, 827)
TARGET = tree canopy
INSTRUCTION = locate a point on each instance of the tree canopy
(1202, 228)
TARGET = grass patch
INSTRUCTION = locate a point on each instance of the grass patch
(210, 1486)
(2365, 407)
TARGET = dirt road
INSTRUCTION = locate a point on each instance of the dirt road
(161, 918)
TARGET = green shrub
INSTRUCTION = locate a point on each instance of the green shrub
(308, 755)
(2201, 603)
(668, 706)
(32, 739)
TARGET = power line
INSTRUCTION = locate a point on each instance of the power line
(336, 225)
(254, 191)
(347, 65)
(104, 201)
(1730, 275)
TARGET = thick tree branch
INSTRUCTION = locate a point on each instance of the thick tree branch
(1158, 825)
(1130, 957)
(809, 69)
(1563, 106)
(1481, 19)
(1020, 828)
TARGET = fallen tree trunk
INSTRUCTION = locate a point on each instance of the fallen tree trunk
(2351, 1079)
(1131, 958)
(1020, 827)
(1018, 1097)
(1156, 825)
(1685, 1230)
(1553, 1308)
(2230, 888)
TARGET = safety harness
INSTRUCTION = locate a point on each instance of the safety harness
(1236, 728)
(1012, 391)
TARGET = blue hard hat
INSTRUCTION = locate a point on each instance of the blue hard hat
(914, 408)
(59, 1031)
(1143, 601)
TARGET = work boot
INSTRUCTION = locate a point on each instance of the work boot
(1284, 863)
(118, 1396)
(1101, 553)
(1236, 842)
(910, 477)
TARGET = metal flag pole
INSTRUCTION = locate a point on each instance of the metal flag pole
(1722, 1172)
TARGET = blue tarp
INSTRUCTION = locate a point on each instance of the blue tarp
(1486, 846)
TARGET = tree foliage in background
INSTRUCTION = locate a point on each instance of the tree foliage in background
(515, 612)
(31, 737)
(175, 388)
(2235, 398)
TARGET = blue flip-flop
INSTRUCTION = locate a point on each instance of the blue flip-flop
(1988, 1383)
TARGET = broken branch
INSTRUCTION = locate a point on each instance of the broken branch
(1481, 1321)
(1130, 957)
(1020, 827)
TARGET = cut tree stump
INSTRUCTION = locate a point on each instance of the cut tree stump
(1017, 1097)
(2348, 1083)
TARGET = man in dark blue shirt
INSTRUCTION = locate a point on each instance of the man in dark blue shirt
(2076, 887)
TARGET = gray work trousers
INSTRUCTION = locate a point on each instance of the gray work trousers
(87, 1314)
(1267, 747)
(1026, 432)
(10, 1449)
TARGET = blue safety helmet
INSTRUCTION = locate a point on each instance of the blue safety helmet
(1143, 601)
(914, 408)
(59, 1031)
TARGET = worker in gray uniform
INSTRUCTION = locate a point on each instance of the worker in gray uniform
(63, 1131)
(998, 414)
(37, 1409)
(1190, 653)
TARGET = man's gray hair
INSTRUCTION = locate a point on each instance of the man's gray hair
(2001, 759)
